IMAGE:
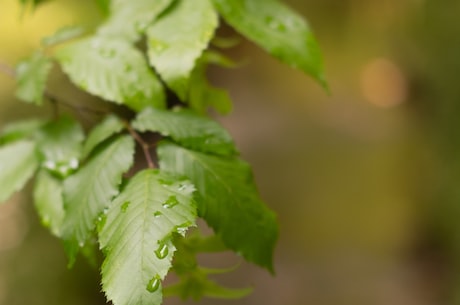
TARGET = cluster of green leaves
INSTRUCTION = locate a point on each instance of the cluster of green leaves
(85, 187)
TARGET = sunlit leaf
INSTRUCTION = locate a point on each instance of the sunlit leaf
(177, 39)
(32, 74)
(48, 201)
(18, 162)
(189, 129)
(136, 236)
(129, 18)
(229, 200)
(110, 126)
(112, 69)
(90, 190)
(59, 143)
(278, 29)
(20, 130)
(62, 35)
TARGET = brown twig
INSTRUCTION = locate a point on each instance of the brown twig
(145, 146)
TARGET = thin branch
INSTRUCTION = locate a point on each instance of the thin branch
(145, 146)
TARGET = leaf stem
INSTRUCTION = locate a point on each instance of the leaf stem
(145, 146)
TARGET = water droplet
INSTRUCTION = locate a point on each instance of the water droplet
(125, 206)
(171, 202)
(74, 163)
(157, 214)
(182, 229)
(162, 251)
(50, 165)
(101, 220)
(154, 284)
(158, 46)
(140, 26)
(275, 24)
(84, 85)
(64, 170)
(46, 221)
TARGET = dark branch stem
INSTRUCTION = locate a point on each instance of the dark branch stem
(145, 146)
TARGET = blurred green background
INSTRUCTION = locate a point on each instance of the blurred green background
(365, 181)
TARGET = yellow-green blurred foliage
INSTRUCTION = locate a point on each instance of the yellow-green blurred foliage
(363, 180)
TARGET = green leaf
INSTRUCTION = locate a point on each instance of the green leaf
(110, 126)
(18, 162)
(114, 70)
(229, 200)
(89, 191)
(129, 19)
(188, 129)
(48, 201)
(137, 233)
(59, 143)
(277, 29)
(198, 286)
(62, 35)
(32, 74)
(203, 95)
(177, 39)
(20, 130)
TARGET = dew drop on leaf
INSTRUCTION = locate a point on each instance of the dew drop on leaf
(154, 284)
(275, 24)
(124, 206)
(157, 214)
(51, 165)
(171, 202)
(182, 229)
(158, 46)
(74, 163)
(101, 220)
(162, 251)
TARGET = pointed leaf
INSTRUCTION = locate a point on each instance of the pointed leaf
(189, 129)
(32, 74)
(59, 143)
(177, 39)
(110, 126)
(62, 35)
(229, 200)
(197, 287)
(48, 201)
(136, 236)
(20, 130)
(277, 29)
(202, 94)
(89, 191)
(18, 162)
(129, 18)
(112, 69)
